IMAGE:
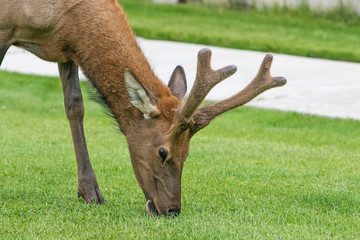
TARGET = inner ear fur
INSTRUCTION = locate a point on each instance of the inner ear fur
(139, 96)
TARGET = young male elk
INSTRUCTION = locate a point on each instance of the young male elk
(95, 35)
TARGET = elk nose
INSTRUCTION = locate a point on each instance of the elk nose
(174, 212)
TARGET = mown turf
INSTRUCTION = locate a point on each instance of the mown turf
(252, 174)
(302, 35)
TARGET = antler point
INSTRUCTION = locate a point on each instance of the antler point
(269, 57)
(280, 81)
(204, 52)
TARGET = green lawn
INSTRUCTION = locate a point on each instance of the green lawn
(252, 174)
(253, 30)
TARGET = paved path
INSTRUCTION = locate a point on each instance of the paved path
(315, 86)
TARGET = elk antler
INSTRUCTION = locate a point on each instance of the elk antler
(206, 79)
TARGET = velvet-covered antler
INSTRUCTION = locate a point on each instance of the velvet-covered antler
(206, 79)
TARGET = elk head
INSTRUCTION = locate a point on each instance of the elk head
(160, 144)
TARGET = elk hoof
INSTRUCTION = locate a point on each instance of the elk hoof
(92, 194)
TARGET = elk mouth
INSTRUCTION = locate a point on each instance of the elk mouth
(151, 209)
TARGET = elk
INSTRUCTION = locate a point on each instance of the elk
(96, 36)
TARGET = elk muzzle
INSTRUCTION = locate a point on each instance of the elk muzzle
(152, 210)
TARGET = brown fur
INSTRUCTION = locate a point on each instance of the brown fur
(95, 35)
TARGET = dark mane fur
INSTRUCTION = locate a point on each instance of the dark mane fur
(95, 95)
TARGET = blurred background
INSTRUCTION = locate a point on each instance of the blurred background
(313, 28)
(246, 4)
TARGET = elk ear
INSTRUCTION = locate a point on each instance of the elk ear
(139, 96)
(177, 83)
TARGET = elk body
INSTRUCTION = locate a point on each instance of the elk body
(95, 35)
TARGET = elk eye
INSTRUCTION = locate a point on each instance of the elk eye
(163, 153)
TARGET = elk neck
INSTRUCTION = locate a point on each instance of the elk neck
(104, 59)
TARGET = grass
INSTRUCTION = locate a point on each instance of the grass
(252, 174)
(274, 31)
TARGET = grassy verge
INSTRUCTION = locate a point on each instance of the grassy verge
(252, 174)
(281, 32)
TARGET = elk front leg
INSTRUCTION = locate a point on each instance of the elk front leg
(87, 185)
(3, 50)
(2, 53)
(4, 41)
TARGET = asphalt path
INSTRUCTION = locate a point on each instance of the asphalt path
(315, 86)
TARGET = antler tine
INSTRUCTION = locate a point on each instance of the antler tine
(262, 82)
(206, 79)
